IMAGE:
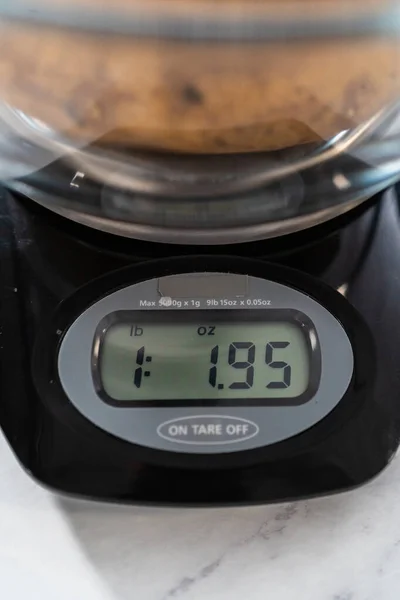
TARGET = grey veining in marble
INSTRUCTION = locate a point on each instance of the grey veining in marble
(344, 547)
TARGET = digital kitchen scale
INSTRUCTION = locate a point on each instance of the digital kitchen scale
(151, 373)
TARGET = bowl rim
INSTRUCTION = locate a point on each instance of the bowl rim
(307, 19)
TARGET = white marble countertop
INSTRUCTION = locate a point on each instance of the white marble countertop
(345, 547)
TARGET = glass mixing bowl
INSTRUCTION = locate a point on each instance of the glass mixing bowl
(199, 121)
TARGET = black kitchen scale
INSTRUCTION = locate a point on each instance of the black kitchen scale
(151, 373)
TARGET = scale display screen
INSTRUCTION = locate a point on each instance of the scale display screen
(234, 355)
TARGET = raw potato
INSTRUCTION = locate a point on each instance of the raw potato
(197, 98)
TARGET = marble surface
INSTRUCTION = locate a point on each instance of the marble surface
(345, 547)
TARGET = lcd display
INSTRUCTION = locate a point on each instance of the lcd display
(203, 360)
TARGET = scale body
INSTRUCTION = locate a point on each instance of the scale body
(90, 323)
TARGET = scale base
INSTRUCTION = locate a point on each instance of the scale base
(45, 258)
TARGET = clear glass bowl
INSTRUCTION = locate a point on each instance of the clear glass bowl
(199, 121)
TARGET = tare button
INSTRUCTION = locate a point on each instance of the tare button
(207, 429)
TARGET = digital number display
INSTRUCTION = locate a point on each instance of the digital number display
(141, 361)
